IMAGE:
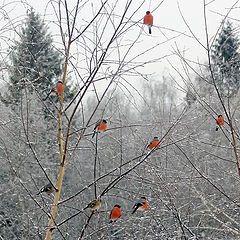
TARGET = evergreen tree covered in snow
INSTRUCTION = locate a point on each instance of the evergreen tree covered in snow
(35, 63)
(225, 57)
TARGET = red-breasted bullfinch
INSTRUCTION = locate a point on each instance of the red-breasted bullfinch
(148, 20)
(142, 205)
(58, 90)
(154, 143)
(115, 213)
(100, 126)
(219, 121)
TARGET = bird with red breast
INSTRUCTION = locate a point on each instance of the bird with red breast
(148, 20)
(58, 90)
(115, 213)
(154, 143)
(219, 122)
(100, 126)
(141, 205)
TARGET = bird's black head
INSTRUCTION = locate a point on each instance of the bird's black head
(148, 12)
(143, 198)
(155, 137)
(117, 206)
(219, 116)
(59, 81)
(104, 121)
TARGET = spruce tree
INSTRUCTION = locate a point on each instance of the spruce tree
(225, 57)
(35, 63)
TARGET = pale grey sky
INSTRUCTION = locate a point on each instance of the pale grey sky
(168, 23)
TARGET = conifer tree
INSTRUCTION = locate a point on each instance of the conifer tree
(35, 63)
(225, 57)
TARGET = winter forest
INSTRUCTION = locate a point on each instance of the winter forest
(98, 142)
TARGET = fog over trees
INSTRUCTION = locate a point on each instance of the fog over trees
(100, 56)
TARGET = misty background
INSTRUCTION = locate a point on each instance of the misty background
(172, 84)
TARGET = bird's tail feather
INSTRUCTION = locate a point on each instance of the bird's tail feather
(149, 29)
(48, 95)
(134, 210)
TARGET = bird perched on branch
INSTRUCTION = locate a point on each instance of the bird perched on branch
(48, 189)
(94, 205)
(154, 143)
(58, 90)
(142, 205)
(100, 126)
(115, 213)
(219, 121)
(148, 20)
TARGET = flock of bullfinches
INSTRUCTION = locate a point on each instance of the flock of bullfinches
(101, 126)
(94, 205)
